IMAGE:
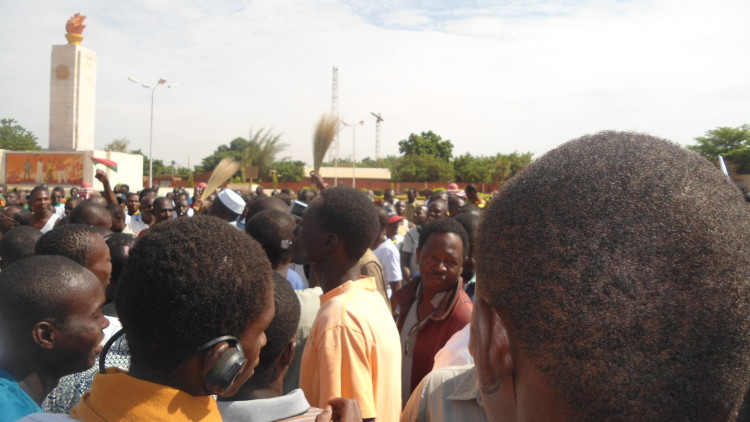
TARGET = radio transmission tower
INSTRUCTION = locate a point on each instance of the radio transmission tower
(378, 119)
(335, 114)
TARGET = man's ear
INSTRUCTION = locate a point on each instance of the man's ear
(330, 242)
(491, 347)
(287, 355)
(284, 360)
(44, 334)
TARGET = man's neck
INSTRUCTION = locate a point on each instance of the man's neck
(378, 241)
(250, 393)
(36, 383)
(42, 216)
(283, 269)
(335, 271)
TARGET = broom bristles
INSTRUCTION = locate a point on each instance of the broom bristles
(223, 172)
(325, 133)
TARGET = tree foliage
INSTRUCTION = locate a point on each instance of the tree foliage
(426, 144)
(16, 138)
(507, 165)
(471, 169)
(159, 167)
(422, 168)
(118, 145)
(497, 169)
(259, 150)
(733, 143)
(289, 171)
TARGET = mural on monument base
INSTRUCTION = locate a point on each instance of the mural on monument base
(43, 168)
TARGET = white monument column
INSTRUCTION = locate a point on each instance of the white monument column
(72, 92)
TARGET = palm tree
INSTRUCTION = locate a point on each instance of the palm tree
(261, 151)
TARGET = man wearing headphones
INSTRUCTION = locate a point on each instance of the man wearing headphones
(191, 333)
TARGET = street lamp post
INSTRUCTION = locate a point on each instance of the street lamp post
(354, 157)
(161, 81)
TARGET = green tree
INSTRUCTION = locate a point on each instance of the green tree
(159, 167)
(118, 145)
(289, 171)
(507, 165)
(233, 150)
(16, 138)
(426, 143)
(471, 169)
(733, 143)
(260, 150)
(422, 168)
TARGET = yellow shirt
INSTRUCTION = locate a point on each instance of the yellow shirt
(116, 396)
(354, 351)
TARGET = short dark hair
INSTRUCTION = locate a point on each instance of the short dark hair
(268, 228)
(441, 226)
(348, 213)
(263, 203)
(88, 213)
(114, 209)
(73, 241)
(34, 289)
(119, 245)
(18, 243)
(146, 191)
(23, 217)
(280, 332)
(623, 261)
(38, 188)
(470, 223)
(382, 217)
(188, 281)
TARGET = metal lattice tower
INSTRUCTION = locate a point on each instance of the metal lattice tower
(378, 119)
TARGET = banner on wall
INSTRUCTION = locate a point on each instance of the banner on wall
(43, 168)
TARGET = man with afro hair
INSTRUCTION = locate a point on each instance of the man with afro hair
(353, 348)
(613, 286)
(194, 299)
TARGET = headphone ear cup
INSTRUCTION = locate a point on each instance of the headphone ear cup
(221, 377)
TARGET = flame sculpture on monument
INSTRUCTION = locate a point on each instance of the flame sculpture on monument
(74, 28)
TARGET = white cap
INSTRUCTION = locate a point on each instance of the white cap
(231, 200)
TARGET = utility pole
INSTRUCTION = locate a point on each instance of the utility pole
(354, 142)
(378, 119)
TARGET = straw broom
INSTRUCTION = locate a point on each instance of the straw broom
(223, 172)
(325, 133)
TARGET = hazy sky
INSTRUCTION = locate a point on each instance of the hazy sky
(492, 76)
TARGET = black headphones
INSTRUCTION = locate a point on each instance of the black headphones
(223, 374)
(219, 378)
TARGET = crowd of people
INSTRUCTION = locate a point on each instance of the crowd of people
(609, 280)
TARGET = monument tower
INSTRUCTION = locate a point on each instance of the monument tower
(72, 92)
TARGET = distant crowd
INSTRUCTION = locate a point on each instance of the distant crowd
(608, 280)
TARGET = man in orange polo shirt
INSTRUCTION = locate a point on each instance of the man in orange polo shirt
(353, 350)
